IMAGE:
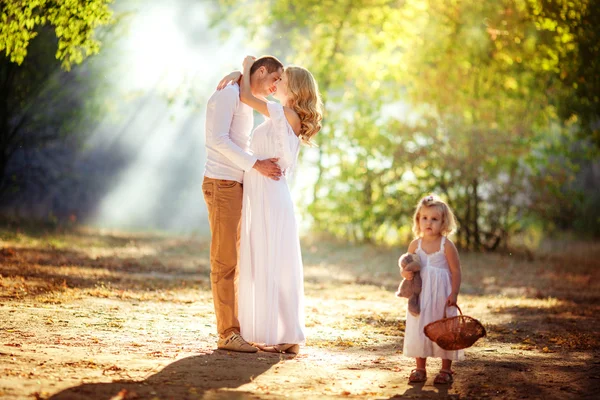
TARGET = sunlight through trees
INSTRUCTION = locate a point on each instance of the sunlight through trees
(466, 99)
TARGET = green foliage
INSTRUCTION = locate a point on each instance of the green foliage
(46, 114)
(572, 33)
(74, 22)
(455, 97)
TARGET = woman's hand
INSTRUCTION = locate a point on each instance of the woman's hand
(231, 78)
(248, 61)
(246, 95)
(452, 299)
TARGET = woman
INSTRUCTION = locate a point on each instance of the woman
(271, 289)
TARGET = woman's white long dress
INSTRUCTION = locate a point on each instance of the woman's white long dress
(271, 282)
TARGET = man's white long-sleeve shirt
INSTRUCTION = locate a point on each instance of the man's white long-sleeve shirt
(229, 124)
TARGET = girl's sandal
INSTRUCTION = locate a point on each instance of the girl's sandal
(417, 375)
(444, 377)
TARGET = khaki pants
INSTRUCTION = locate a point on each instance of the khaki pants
(224, 202)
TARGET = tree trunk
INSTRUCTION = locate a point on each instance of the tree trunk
(476, 238)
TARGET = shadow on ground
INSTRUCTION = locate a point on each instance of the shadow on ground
(565, 326)
(207, 376)
(40, 270)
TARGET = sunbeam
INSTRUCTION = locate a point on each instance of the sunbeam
(169, 65)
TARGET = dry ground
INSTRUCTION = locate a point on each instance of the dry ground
(87, 314)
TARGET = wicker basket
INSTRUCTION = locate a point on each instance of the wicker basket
(455, 333)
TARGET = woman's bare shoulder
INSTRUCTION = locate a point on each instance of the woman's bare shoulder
(293, 119)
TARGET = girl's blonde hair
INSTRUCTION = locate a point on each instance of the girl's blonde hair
(448, 218)
(304, 98)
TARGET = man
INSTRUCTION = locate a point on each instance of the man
(229, 123)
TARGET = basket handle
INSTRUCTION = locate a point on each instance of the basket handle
(454, 305)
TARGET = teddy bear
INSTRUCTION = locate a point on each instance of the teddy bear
(410, 288)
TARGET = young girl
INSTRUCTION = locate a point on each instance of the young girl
(441, 276)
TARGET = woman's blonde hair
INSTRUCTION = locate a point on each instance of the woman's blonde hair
(448, 218)
(304, 98)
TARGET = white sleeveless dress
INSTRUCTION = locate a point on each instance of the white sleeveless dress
(271, 279)
(437, 286)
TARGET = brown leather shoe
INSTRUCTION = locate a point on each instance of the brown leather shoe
(235, 342)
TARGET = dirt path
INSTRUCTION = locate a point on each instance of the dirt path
(90, 315)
